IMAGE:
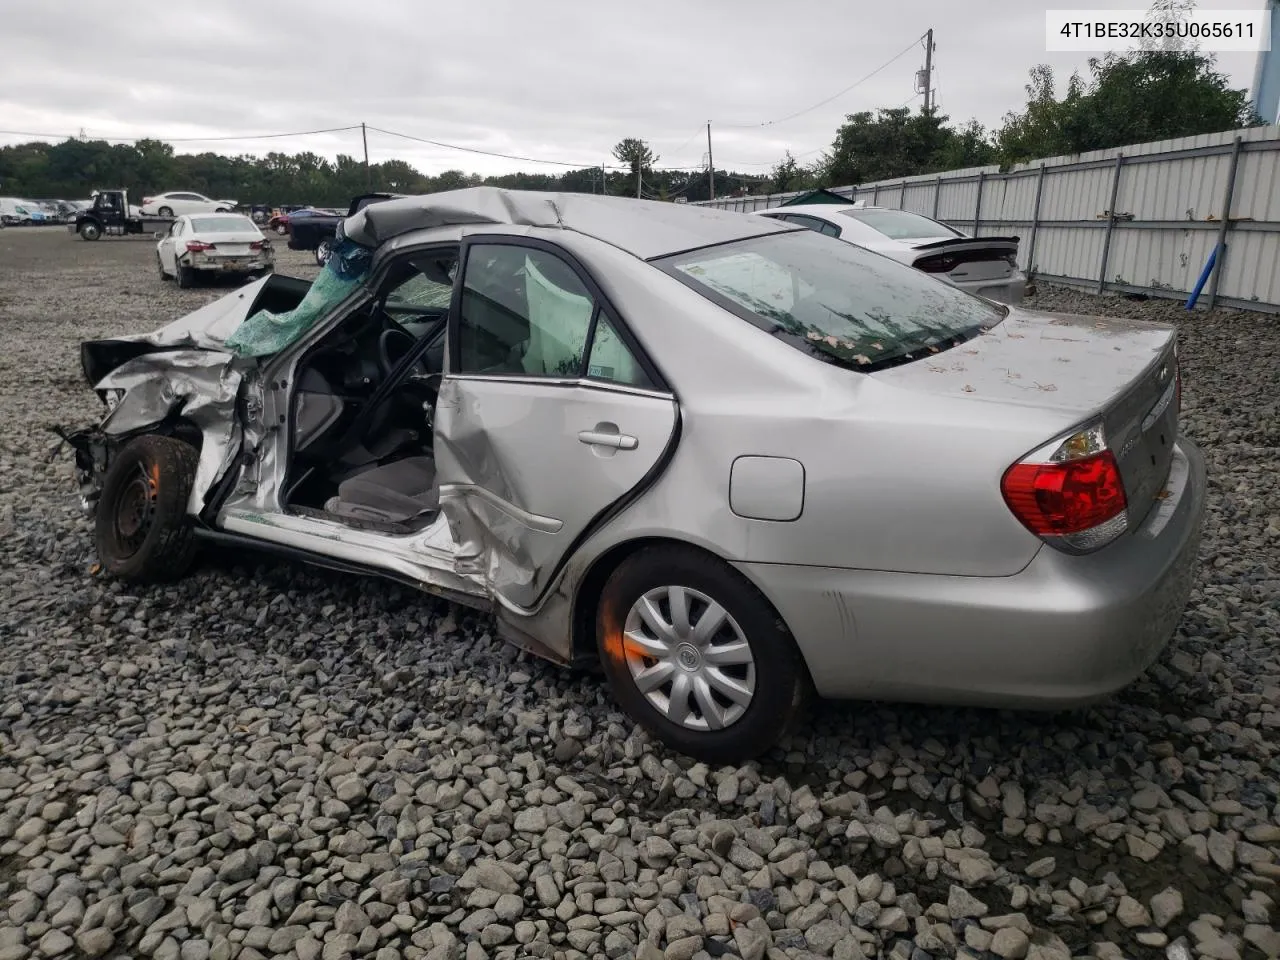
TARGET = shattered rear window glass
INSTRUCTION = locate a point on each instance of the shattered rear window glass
(834, 300)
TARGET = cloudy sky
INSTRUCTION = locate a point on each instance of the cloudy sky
(558, 80)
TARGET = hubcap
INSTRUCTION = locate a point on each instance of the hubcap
(689, 658)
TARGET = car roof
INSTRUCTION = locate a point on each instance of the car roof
(644, 228)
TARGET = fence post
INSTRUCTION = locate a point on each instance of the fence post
(875, 196)
(937, 195)
(902, 196)
(1225, 225)
(977, 206)
(1035, 222)
(1111, 224)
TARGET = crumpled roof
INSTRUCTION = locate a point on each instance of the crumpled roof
(644, 228)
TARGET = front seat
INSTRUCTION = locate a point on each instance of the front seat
(394, 493)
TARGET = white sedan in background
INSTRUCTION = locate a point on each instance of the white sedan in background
(213, 243)
(987, 266)
(176, 203)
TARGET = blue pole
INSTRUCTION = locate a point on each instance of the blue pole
(1204, 277)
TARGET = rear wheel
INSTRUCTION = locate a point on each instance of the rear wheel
(141, 528)
(166, 211)
(186, 277)
(160, 263)
(694, 653)
(221, 210)
(281, 229)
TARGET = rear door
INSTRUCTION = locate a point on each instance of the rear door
(550, 417)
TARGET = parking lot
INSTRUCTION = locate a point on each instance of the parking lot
(270, 760)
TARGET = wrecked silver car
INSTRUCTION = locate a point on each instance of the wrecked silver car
(732, 460)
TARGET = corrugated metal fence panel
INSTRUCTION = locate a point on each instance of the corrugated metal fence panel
(1251, 271)
(1258, 186)
(1161, 186)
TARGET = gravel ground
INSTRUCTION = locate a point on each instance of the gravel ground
(268, 760)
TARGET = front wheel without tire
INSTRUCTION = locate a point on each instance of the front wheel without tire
(141, 528)
(694, 653)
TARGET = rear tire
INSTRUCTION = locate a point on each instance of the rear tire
(186, 277)
(160, 263)
(141, 529)
(723, 695)
(166, 211)
(281, 229)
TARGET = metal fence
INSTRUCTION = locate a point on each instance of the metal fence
(1138, 219)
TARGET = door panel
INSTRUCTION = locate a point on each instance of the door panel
(525, 465)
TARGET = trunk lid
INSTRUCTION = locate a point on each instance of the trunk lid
(968, 259)
(1079, 367)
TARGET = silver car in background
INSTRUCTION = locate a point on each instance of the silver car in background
(732, 460)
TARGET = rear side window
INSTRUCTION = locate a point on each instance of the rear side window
(836, 301)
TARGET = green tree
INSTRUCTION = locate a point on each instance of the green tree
(636, 155)
(1135, 98)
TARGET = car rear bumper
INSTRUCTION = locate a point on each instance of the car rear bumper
(228, 264)
(1007, 290)
(1064, 631)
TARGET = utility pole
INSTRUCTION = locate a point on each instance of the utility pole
(368, 177)
(711, 167)
(928, 70)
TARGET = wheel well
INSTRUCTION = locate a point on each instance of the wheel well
(590, 587)
(178, 427)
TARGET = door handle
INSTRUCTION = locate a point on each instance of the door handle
(598, 438)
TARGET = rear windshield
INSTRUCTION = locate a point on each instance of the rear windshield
(901, 224)
(222, 224)
(838, 302)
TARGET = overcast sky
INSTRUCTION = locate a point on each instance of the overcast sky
(548, 79)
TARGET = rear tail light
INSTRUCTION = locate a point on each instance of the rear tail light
(198, 246)
(257, 244)
(937, 264)
(146, 200)
(1069, 492)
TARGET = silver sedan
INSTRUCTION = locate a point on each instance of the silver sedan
(734, 461)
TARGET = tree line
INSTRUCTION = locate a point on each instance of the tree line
(1132, 98)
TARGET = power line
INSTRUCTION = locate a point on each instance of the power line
(834, 96)
(486, 153)
(247, 136)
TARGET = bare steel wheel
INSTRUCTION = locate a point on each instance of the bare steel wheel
(697, 654)
(689, 658)
(141, 528)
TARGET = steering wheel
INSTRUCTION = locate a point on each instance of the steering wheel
(393, 344)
